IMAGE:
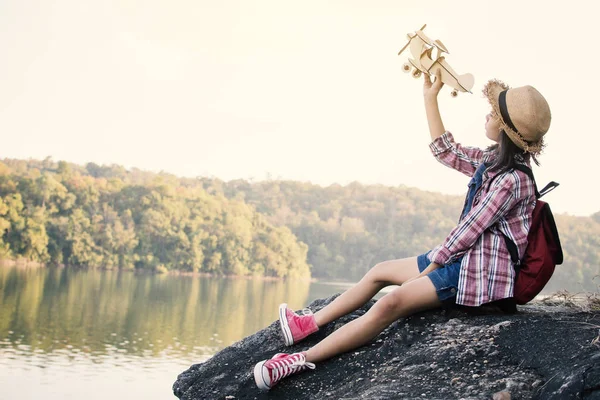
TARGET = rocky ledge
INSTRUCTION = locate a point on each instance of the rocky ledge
(542, 352)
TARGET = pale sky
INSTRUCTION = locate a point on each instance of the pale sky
(305, 90)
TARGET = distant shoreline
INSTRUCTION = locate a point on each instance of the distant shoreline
(25, 263)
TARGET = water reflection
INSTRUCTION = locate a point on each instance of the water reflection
(94, 311)
(124, 329)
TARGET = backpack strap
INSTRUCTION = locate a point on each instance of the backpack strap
(510, 245)
(547, 189)
(527, 171)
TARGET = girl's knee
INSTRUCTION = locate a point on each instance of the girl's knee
(384, 272)
(393, 272)
(389, 308)
(375, 274)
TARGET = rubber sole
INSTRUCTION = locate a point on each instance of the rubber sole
(259, 379)
(285, 327)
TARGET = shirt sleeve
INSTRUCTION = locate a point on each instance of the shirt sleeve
(454, 155)
(494, 205)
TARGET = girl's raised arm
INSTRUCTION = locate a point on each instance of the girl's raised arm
(430, 93)
(461, 158)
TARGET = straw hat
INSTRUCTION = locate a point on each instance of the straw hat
(522, 112)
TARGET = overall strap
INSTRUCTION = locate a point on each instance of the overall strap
(510, 245)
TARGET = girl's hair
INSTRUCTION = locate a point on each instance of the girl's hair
(507, 153)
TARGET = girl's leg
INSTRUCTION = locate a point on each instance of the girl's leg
(417, 295)
(393, 272)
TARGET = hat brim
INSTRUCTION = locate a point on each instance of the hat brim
(492, 90)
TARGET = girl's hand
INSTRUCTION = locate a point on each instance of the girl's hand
(430, 267)
(431, 90)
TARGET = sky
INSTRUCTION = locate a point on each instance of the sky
(276, 89)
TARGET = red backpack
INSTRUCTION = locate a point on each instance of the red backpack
(543, 251)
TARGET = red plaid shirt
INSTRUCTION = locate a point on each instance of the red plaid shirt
(504, 207)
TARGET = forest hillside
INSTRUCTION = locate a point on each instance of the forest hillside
(107, 216)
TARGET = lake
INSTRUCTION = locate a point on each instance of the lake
(69, 333)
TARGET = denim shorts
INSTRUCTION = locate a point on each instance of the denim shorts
(444, 279)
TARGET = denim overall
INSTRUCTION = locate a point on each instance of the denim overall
(474, 186)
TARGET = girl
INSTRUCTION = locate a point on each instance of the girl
(472, 266)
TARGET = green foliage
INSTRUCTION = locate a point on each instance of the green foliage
(580, 240)
(348, 229)
(106, 216)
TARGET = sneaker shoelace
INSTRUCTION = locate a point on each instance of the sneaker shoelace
(285, 367)
(307, 311)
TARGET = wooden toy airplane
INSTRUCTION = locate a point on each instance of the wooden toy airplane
(421, 48)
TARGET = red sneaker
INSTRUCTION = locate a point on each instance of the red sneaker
(268, 372)
(296, 327)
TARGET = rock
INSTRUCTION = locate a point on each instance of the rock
(501, 396)
(496, 328)
(541, 352)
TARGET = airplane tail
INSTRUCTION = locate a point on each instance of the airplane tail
(467, 81)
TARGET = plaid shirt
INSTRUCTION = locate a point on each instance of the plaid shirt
(503, 207)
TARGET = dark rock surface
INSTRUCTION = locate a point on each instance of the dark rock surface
(542, 352)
